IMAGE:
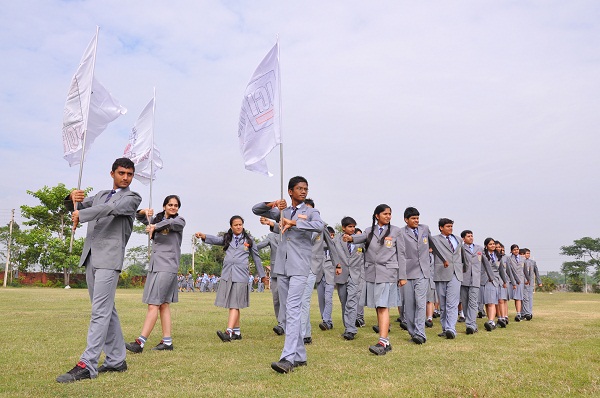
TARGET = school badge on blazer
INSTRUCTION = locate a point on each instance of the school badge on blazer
(359, 250)
(425, 240)
(388, 242)
(165, 231)
(479, 255)
(246, 246)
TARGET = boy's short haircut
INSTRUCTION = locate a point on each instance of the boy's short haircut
(444, 221)
(410, 212)
(331, 230)
(526, 250)
(295, 181)
(356, 230)
(522, 251)
(348, 221)
(310, 202)
(513, 246)
(465, 233)
(126, 163)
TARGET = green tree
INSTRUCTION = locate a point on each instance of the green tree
(9, 240)
(548, 284)
(47, 240)
(587, 253)
(137, 259)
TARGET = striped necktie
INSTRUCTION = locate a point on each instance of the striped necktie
(112, 192)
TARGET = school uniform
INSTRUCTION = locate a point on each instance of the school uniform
(515, 264)
(469, 290)
(418, 273)
(233, 291)
(161, 281)
(532, 276)
(292, 267)
(505, 293)
(448, 280)
(490, 280)
(385, 265)
(349, 282)
(326, 278)
(272, 241)
(109, 221)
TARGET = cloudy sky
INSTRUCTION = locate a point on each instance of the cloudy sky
(483, 112)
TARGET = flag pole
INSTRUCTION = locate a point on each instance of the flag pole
(151, 163)
(280, 132)
(85, 123)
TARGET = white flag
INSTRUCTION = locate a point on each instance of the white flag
(259, 129)
(89, 107)
(141, 140)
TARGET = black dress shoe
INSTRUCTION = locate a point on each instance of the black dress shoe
(163, 347)
(323, 326)
(348, 335)
(436, 314)
(502, 322)
(429, 323)
(403, 325)
(359, 323)
(224, 336)
(119, 368)
(418, 339)
(297, 364)
(480, 314)
(461, 319)
(376, 328)
(278, 330)
(518, 318)
(443, 334)
(470, 330)
(308, 340)
(380, 348)
(79, 372)
(450, 334)
(134, 347)
(489, 326)
(528, 317)
(282, 366)
(236, 336)
(399, 319)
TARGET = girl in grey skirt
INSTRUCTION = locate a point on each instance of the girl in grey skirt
(385, 270)
(233, 291)
(162, 281)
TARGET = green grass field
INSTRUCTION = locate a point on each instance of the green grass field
(44, 330)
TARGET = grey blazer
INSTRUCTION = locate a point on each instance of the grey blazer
(491, 272)
(417, 252)
(516, 268)
(235, 263)
(384, 263)
(272, 240)
(455, 260)
(109, 226)
(166, 248)
(472, 274)
(295, 249)
(507, 270)
(531, 272)
(353, 264)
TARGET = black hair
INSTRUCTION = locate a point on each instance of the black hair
(378, 210)
(348, 221)
(465, 232)
(126, 163)
(485, 243)
(522, 252)
(513, 246)
(310, 202)
(229, 234)
(410, 212)
(444, 221)
(161, 216)
(357, 230)
(331, 230)
(295, 181)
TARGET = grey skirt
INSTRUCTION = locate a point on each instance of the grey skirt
(516, 294)
(490, 293)
(503, 291)
(233, 294)
(380, 295)
(160, 288)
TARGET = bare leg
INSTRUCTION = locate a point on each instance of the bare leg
(383, 320)
(151, 317)
(165, 319)
(234, 318)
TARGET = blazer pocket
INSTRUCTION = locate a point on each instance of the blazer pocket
(392, 265)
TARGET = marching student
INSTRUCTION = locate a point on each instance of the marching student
(360, 313)
(448, 275)
(385, 270)
(272, 241)
(233, 291)
(532, 277)
(505, 291)
(469, 290)
(515, 263)
(160, 289)
(416, 250)
(292, 265)
(431, 294)
(326, 285)
(110, 215)
(491, 275)
(349, 277)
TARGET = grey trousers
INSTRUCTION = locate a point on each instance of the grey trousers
(449, 295)
(307, 295)
(415, 304)
(349, 294)
(276, 302)
(469, 297)
(104, 332)
(325, 295)
(527, 306)
(291, 290)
